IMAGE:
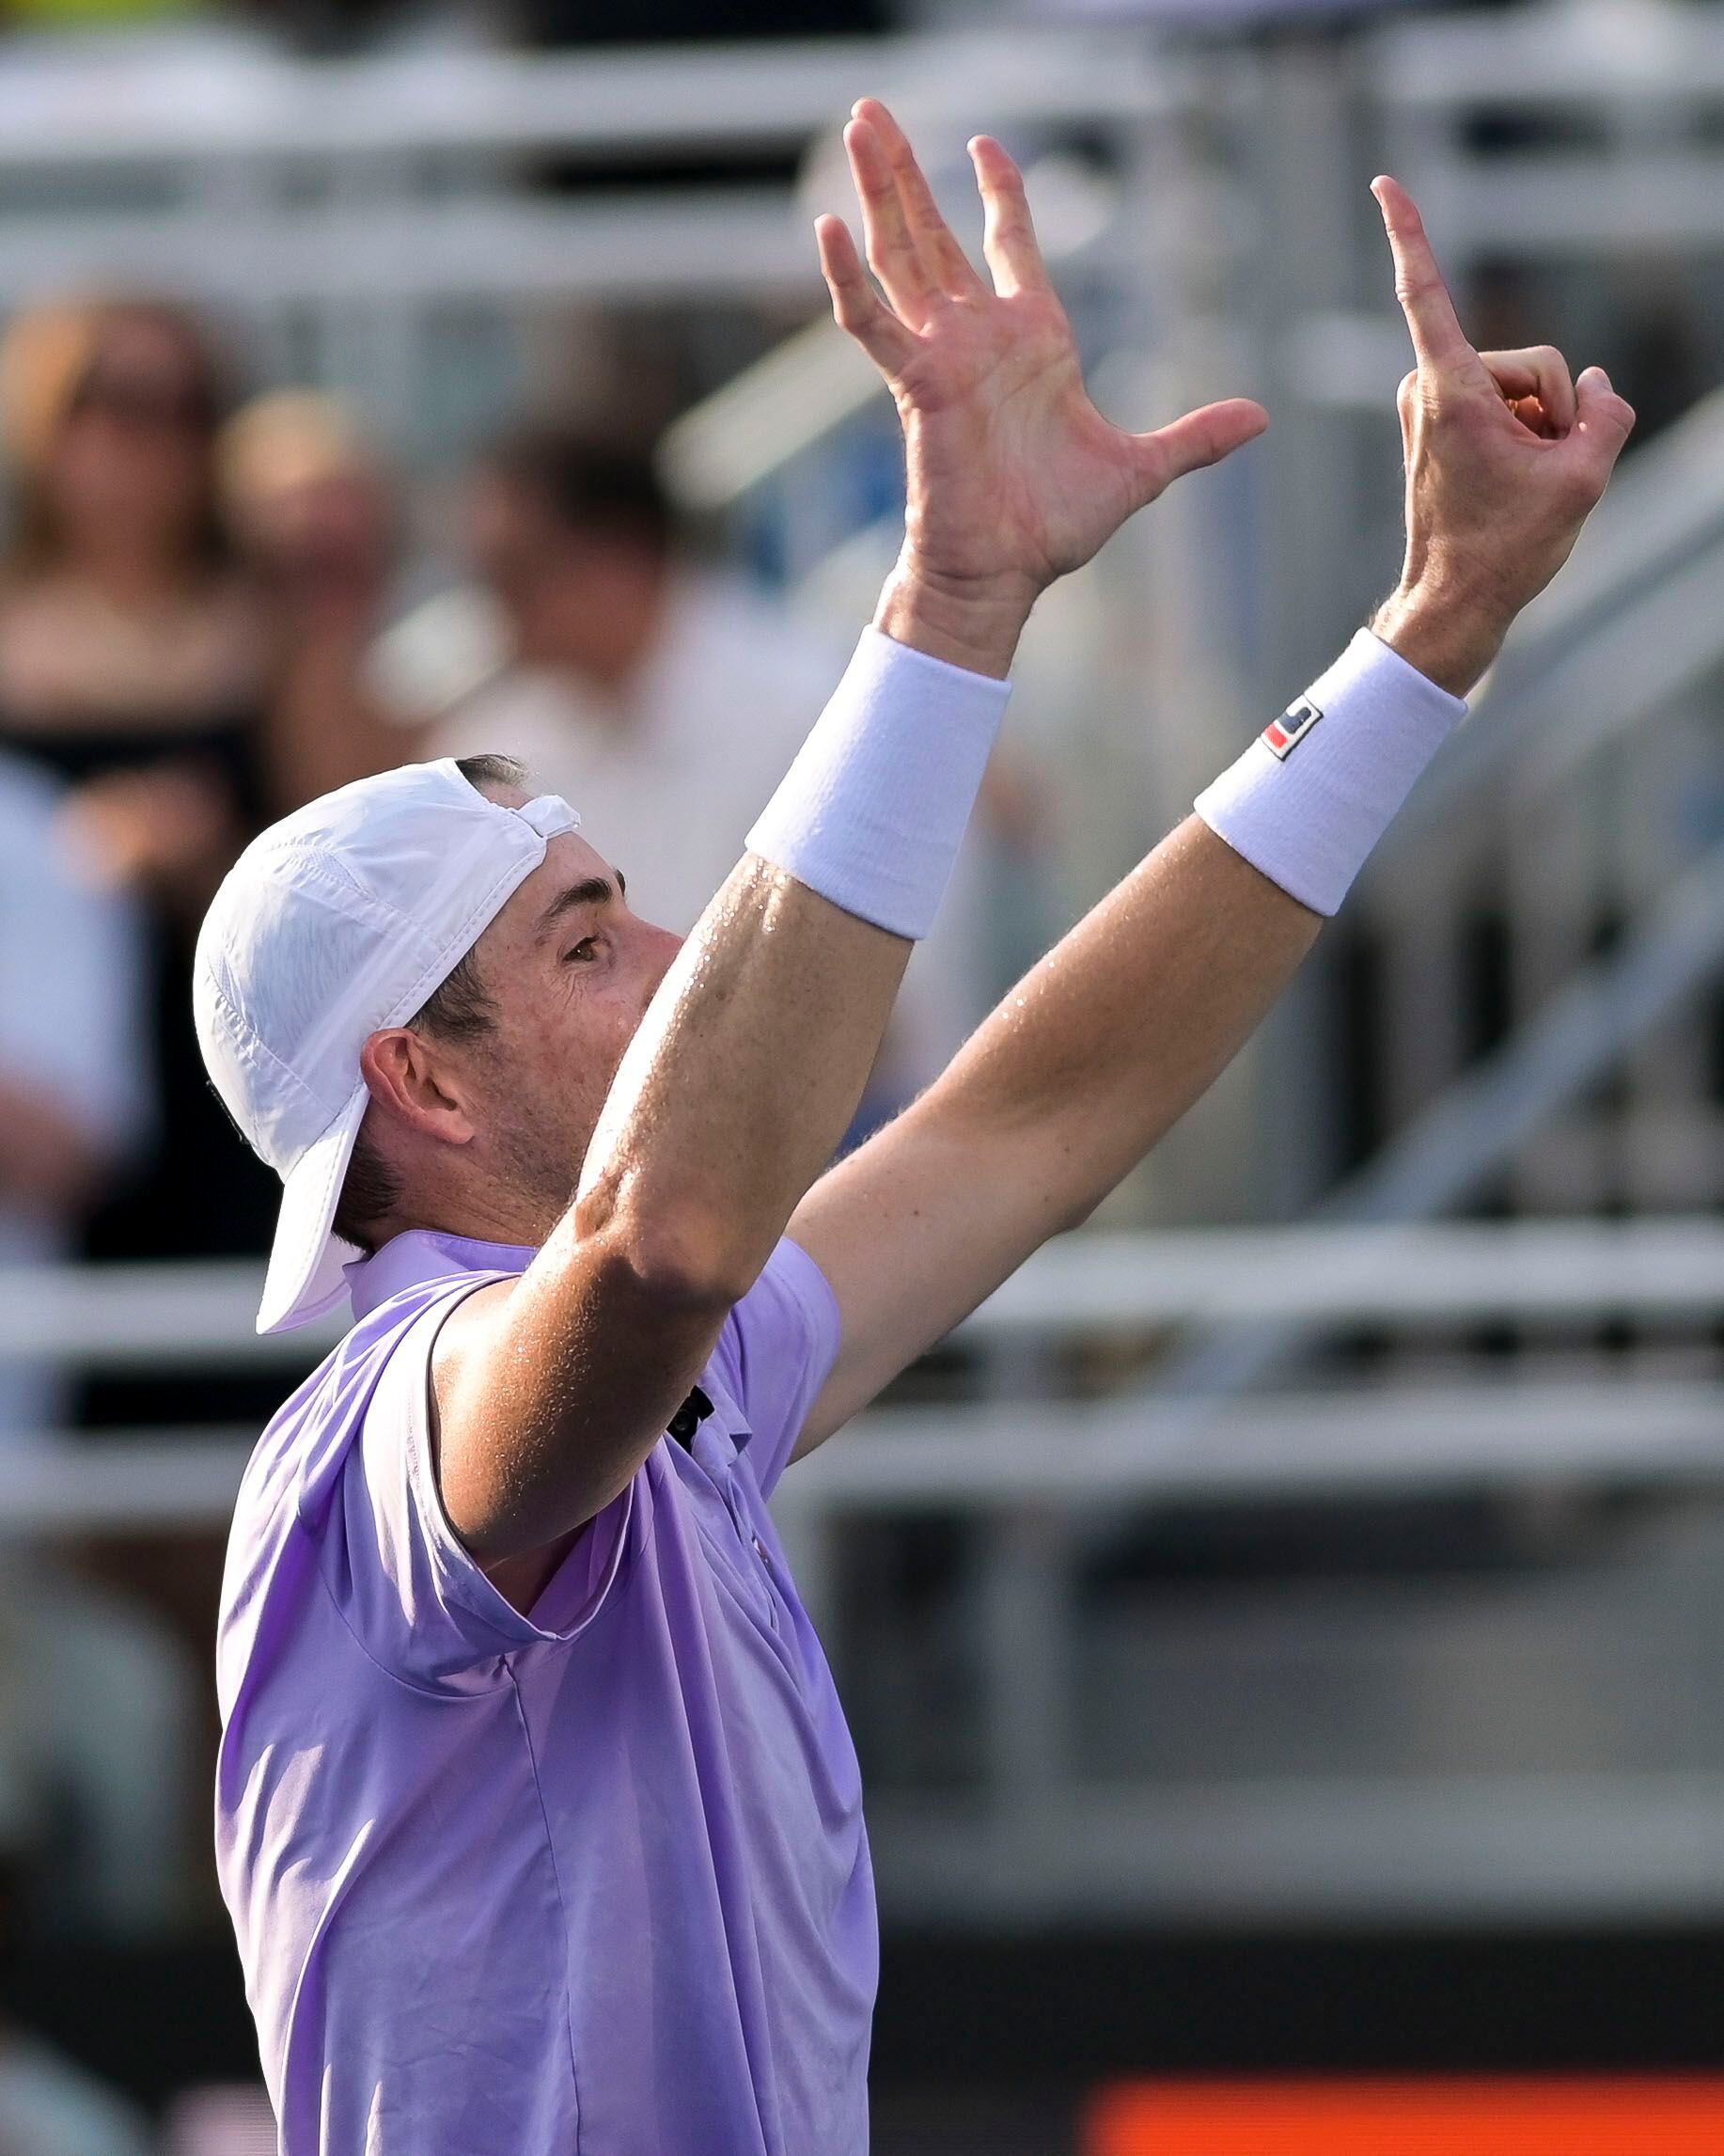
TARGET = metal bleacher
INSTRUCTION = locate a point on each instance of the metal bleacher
(1042, 1828)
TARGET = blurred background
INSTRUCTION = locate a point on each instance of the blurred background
(1284, 1631)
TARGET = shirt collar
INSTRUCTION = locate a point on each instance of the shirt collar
(423, 1254)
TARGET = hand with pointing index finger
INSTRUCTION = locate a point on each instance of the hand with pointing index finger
(1506, 457)
(1014, 477)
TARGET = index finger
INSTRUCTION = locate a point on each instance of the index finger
(1437, 336)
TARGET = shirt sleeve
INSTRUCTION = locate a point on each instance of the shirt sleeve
(775, 1354)
(404, 1583)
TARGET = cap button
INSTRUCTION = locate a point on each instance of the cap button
(550, 815)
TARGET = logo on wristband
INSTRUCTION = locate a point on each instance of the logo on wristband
(1284, 734)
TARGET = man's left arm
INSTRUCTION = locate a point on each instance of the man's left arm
(1070, 1082)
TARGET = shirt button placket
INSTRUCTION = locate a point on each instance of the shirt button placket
(771, 1585)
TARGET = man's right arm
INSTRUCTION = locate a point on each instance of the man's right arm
(552, 1391)
(731, 1098)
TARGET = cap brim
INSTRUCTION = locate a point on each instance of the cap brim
(306, 1261)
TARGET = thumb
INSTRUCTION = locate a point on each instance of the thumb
(1202, 437)
(1604, 419)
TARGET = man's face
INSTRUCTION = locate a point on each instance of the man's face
(569, 972)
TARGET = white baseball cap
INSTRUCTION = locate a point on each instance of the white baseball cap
(344, 919)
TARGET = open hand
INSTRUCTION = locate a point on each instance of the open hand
(1014, 476)
(1506, 457)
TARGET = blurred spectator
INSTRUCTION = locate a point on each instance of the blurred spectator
(664, 699)
(98, 1708)
(155, 700)
(132, 655)
(312, 510)
(139, 664)
(72, 1058)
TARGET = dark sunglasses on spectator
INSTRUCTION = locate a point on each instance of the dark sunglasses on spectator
(142, 403)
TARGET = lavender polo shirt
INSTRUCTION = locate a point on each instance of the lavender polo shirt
(589, 1881)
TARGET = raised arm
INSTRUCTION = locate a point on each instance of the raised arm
(740, 1081)
(551, 1389)
(1108, 1041)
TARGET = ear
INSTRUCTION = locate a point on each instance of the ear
(417, 1086)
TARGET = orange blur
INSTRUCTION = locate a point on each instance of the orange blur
(1474, 2117)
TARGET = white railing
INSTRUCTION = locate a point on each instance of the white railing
(1402, 1441)
(1032, 1475)
(1644, 171)
(142, 1317)
(413, 161)
(206, 98)
(199, 1317)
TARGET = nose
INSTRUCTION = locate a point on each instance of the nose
(666, 944)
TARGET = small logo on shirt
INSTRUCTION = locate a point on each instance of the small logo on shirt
(688, 1418)
(1285, 734)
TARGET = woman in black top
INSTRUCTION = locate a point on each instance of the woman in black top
(134, 663)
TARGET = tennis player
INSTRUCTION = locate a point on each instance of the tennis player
(537, 1818)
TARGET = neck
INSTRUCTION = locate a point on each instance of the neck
(488, 1215)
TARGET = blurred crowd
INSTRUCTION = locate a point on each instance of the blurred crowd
(210, 613)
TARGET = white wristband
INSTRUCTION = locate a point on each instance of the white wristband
(1316, 790)
(872, 812)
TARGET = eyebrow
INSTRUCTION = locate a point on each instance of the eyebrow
(592, 891)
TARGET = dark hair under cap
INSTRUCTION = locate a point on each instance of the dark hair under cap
(587, 483)
(458, 1009)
